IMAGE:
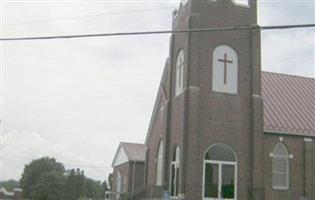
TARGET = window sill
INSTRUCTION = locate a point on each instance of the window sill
(281, 189)
(224, 93)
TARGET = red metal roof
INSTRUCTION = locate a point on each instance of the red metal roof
(289, 103)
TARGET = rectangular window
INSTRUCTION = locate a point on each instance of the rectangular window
(280, 173)
(172, 181)
(228, 181)
(211, 180)
(179, 79)
(176, 182)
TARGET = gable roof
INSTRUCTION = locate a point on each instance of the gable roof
(120, 157)
(127, 152)
(289, 104)
(135, 152)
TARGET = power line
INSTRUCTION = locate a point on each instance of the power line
(238, 28)
(86, 16)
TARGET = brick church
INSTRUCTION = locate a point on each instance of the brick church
(221, 128)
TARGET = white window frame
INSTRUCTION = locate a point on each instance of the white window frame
(225, 60)
(176, 167)
(219, 163)
(180, 67)
(238, 3)
(287, 173)
(159, 163)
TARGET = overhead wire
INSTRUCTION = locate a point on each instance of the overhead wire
(237, 28)
(86, 16)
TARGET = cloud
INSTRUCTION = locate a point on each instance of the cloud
(290, 52)
(20, 147)
(77, 99)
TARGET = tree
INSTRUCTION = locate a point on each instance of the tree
(70, 185)
(94, 189)
(46, 179)
(110, 180)
(33, 171)
(105, 186)
(75, 185)
(9, 185)
(50, 186)
(80, 183)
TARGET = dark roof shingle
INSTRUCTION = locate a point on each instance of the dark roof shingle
(134, 151)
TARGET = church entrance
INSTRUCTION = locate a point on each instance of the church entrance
(219, 173)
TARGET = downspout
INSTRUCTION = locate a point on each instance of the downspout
(133, 176)
(145, 178)
(169, 111)
(186, 116)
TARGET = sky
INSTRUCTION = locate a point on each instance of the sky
(76, 99)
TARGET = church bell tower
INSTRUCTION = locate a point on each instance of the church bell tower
(217, 106)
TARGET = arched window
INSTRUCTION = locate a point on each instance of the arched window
(175, 172)
(179, 83)
(224, 70)
(220, 173)
(280, 167)
(159, 164)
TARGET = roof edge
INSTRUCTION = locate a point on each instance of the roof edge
(156, 102)
(142, 161)
(131, 143)
(266, 131)
(292, 75)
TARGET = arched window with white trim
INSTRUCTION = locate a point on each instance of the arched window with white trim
(159, 164)
(174, 182)
(280, 167)
(225, 70)
(179, 82)
(220, 173)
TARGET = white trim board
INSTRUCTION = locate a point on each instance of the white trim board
(266, 131)
(120, 157)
